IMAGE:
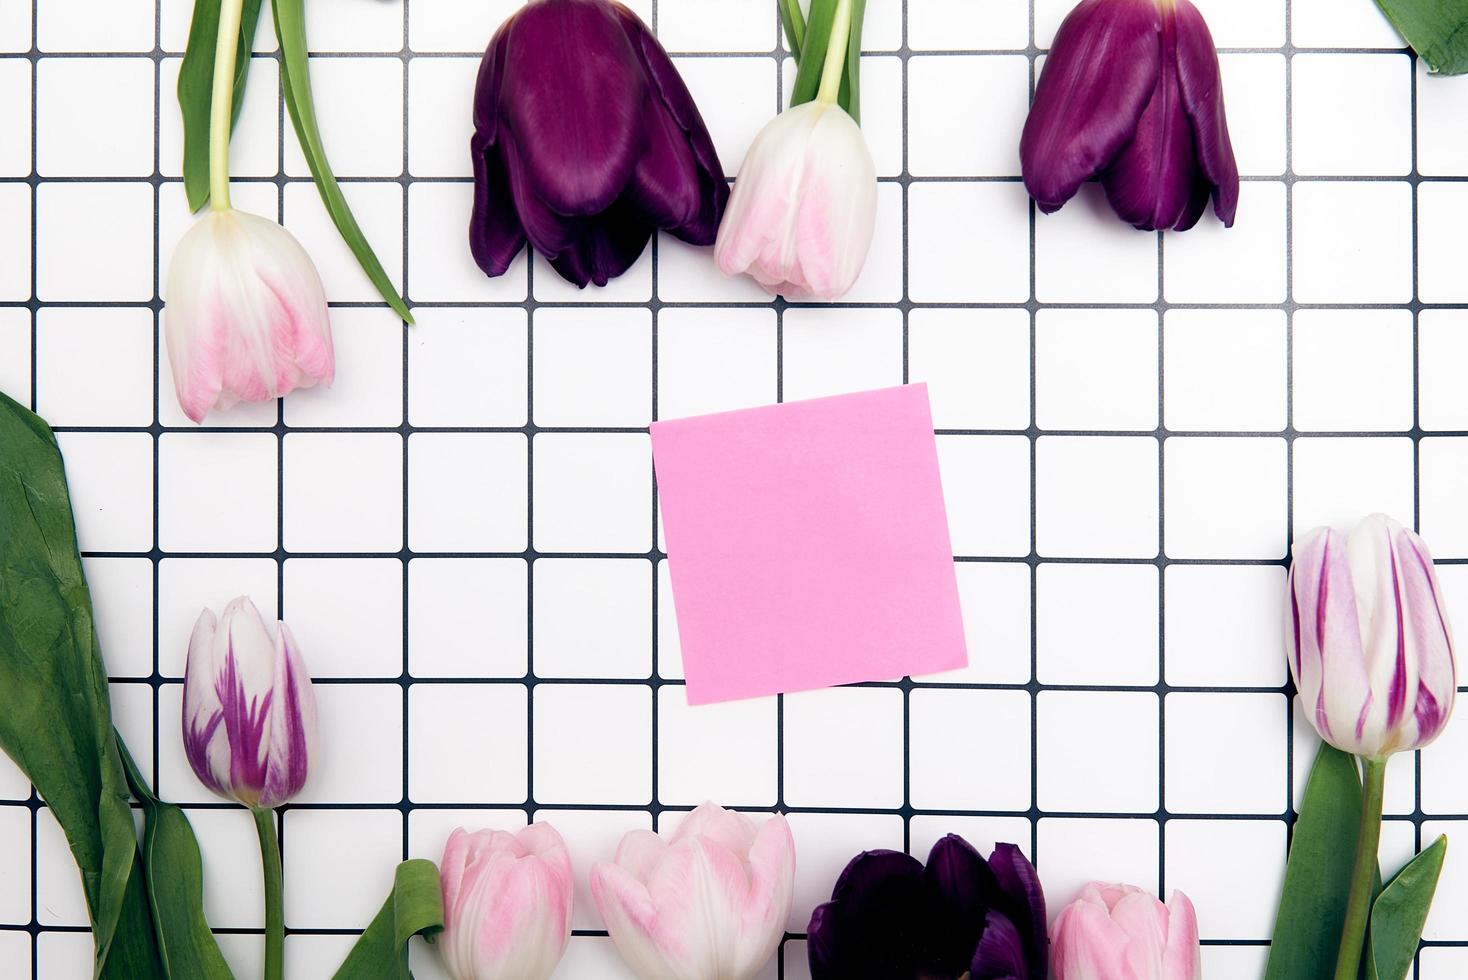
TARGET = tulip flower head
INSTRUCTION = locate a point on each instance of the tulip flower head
(507, 903)
(707, 903)
(585, 141)
(1369, 643)
(246, 316)
(957, 916)
(1131, 92)
(1118, 932)
(249, 715)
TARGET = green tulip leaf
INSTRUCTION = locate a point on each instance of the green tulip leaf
(793, 21)
(1436, 29)
(55, 713)
(1312, 906)
(295, 85)
(415, 907)
(812, 56)
(174, 871)
(195, 86)
(1400, 912)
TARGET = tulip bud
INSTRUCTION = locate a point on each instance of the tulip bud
(1369, 643)
(249, 715)
(585, 141)
(707, 903)
(1118, 932)
(246, 314)
(506, 902)
(801, 217)
(1131, 92)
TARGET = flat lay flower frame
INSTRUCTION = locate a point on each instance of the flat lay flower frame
(587, 144)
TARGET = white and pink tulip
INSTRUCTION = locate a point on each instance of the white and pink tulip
(1119, 932)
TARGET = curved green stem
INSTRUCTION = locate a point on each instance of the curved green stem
(274, 892)
(835, 64)
(221, 101)
(1358, 907)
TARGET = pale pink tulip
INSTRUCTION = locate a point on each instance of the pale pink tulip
(708, 903)
(245, 316)
(804, 205)
(506, 903)
(1118, 932)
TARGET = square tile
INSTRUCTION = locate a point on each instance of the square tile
(363, 144)
(94, 25)
(16, 267)
(467, 617)
(441, 112)
(116, 96)
(1097, 624)
(593, 492)
(347, 613)
(343, 492)
(826, 842)
(742, 25)
(234, 896)
(976, 364)
(593, 617)
(726, 752)
(1096, 369)
(122, 599)
(687, 274)
(1245, 23)
(1076, 773)
(338, 865)
(254, 150)
(200, 511)
(1244, 773)
(94, 366)
(368, 390)
(1441, 208)
(1443, 478)
(1242, 264)
(881, 278)
(1068, 241)
(1222, 625)
(15, 354)
(590, 836)
(715, 360)
(466, 491)
(990, 729)
(81, 259)
(64, 954)
(946, 25)
(1072, 851)
(1353, 370)
(828, 350)
(593, 367)
(1351, 114)
(995, 598)
(1231, 869)
(15, 950)
(1352, 242)
(978, 259)
(632, 286)
(1442, 338)
(986, 490)
(1254, 93)
(614, 767)
(1225, 370)
(15, 871)
(1442, 144)
(378, 208)
(187, 586)
(1451, 898)
(338, 25)
(1225, 497)
(15, 116)
(15, 28)
(1121, 472)
(441, 268)
(58, 887)
(468, 743)
(360, 763)
(843, 748)
(467, 367)
(1442, 791)
(990, 92)
(882, 109)
(111, 481)
(456, 27)
(1338, 481)
(736, 97)
(1325, 24)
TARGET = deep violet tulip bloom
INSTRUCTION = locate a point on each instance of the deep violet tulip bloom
(892, 918)
(585, 141)
(1131, 93)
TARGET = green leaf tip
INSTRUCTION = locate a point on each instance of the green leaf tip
(1436, 29)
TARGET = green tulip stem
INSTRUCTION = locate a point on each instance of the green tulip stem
(835, 64)
(221, 101)
(1358, 906)
(274, 890)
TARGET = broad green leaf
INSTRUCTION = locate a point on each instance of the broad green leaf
(415, 906)
(1436, 29)
(55, 714)
(1400, 912)
(793, 20)
(295, 85)
(174, 871)
(195, 82)
(1312, 906)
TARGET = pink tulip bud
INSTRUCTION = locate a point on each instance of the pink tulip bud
(1369, 643)
(708, 903)
(801, 216)
(246, 314)
(249, 715)
(506, 903)
(1118, 932)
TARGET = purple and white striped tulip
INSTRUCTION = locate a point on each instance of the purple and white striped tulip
(249, 715)
(1369, 643)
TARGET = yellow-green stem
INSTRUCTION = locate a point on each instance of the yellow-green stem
(221, 101)
(835, 64)
(1358, 906)
(274, 892)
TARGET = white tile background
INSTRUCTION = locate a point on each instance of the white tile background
(462, 532)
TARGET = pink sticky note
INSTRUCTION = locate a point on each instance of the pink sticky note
(808, 544)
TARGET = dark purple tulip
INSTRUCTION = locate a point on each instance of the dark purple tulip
(892, 918)
(586, 141)
(1131, 92)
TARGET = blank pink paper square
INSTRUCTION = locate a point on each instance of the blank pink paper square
(808, 545)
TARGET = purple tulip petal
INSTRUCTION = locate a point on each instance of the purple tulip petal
(1202, 93)
(1101, 72)
(1001, 952)
(878, 924)
(608, 245)
(495, 235)
(968, 888)
(872, 868)
(1024, 903)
